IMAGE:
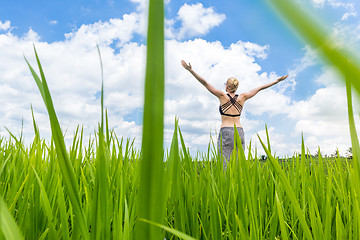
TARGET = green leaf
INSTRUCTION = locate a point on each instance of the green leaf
(65, 165)
(170, 230)
(46, 205)
(151, 197)
(7, 223)
(284, 232)
(289, 191)
(353, 134)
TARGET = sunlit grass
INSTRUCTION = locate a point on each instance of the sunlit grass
(295, 198)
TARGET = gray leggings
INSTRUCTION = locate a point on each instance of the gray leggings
(227, 136)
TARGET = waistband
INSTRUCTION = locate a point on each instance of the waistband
(228, 128)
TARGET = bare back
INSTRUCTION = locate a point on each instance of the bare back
(227, 121)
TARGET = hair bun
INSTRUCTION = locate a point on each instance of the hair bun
(232, 84)
(236, 82)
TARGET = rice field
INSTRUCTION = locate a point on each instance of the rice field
(105, 188)
(295, 199)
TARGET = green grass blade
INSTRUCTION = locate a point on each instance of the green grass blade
(353, 134)
(289, 191)
(4, 163)
(66, 167)
(183, 146)
(44, 198)
(243, 233)
(101, 221)
(44, 235)
(18, 142)
(267, 138)
(354, 137)
(36, 128)
(46, 204)
(339, 225)
(102, 89)
(100, 227)
(173, 164)
(170, 230)
(37, 80)
(284, 233)
(62, 211)
(151, 198)
(127, 229)
(8, 225)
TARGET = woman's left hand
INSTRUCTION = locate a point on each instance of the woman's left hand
(281, 78)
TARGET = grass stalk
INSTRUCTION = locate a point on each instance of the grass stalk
(151, 200)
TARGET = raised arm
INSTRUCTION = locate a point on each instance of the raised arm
(218, 93)
(254, 91)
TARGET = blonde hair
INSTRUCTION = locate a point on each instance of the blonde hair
(232, 84)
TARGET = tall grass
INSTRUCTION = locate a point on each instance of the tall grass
(337, 55)
(151, 200)
(300, 198)
(107, 189)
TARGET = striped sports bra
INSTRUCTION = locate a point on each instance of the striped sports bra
(226, 106)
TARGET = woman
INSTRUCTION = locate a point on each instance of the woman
(231, 105)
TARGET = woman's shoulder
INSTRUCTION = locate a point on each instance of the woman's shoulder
(222, 95)
(241, 95)
(241, 98)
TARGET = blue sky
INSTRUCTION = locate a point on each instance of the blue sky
(240, 38)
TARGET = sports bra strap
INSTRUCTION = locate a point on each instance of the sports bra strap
(226, 106)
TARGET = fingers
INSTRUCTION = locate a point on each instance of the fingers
(282, 78)
(185, 65)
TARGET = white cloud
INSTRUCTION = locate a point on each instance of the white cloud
(318, 3)
(310, 58)
(5, 26)
(31, 36)
(72, 69)
(105, 33)
(333, 3)
(348, 6)
(348, 14)
(196, 20)
(344, 4)
(323, 117)
(142, 4)
(346, 36)
(279, 143)
(53, 22)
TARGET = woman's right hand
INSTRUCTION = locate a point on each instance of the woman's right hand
(186, 66)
